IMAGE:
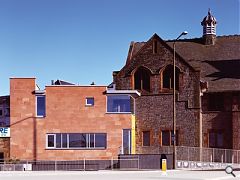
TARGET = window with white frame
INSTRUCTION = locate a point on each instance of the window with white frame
(118, 104)
(51, 141)
(89, 101)
(40, 106)
(77, 141)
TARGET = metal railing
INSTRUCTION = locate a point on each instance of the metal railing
(197, 156)
(186, 157)
(208, 154)
(84, 164)
(202, 154)
(203, 158)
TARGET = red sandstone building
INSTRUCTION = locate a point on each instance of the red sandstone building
(134, 114)
(68, 122)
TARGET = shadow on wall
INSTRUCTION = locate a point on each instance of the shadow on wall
(222, 123)
(34, 134)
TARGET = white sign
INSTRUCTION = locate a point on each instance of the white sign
(4, 132)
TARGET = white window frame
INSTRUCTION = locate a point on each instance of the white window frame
(54, 147)
(108, 112)
(86, 103)
(88, 142)
(129, 141)
(37, 106)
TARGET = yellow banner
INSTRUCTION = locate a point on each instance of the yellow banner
(133, 134)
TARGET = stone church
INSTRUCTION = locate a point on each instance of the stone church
(207, 90)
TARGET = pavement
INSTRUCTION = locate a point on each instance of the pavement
(118, 175)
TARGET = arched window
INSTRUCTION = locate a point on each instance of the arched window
(142, 79)
(168, 77)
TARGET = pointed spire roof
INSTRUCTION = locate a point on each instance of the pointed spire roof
(209, 19)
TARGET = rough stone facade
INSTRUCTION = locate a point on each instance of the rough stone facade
(204, 72)
(65, 113)
(154, 109)
(225, 120)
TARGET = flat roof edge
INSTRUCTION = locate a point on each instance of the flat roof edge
(75, 86)
(22, 78)
(123, 92)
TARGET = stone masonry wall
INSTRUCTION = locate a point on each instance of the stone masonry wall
(154, 108)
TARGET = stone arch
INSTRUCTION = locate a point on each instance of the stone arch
(142, 78)
(167, 77)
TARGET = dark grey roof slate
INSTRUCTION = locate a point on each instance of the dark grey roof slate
(219, 63)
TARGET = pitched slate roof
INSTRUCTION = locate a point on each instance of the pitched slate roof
(219, 63)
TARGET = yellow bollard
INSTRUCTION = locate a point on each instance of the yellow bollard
(164, 166)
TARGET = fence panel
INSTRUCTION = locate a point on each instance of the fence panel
(206, 158)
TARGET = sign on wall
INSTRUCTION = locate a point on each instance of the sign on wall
(4, 132)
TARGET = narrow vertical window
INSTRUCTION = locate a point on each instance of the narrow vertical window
(64, 140)
(41, 106)
(146, 138)
(168, 77)
(126, 144)
(100, 140)
(7, 112)
(155, 47)
(51, 140)
(165, 138)
(58, 140)
(215, 139)
(142, 79)
(168, 138)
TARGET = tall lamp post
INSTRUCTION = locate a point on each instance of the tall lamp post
(174, 97)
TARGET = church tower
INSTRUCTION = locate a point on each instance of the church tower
(209, 29)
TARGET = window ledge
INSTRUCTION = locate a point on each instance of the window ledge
(40, 117)
(75, 148)
(118, 113)
(214, 111)
(89, 105)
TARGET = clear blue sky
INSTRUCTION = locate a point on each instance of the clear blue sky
(84, 41)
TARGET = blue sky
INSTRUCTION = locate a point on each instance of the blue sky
(84, 41)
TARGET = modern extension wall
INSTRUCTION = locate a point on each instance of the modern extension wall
(66, 112)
